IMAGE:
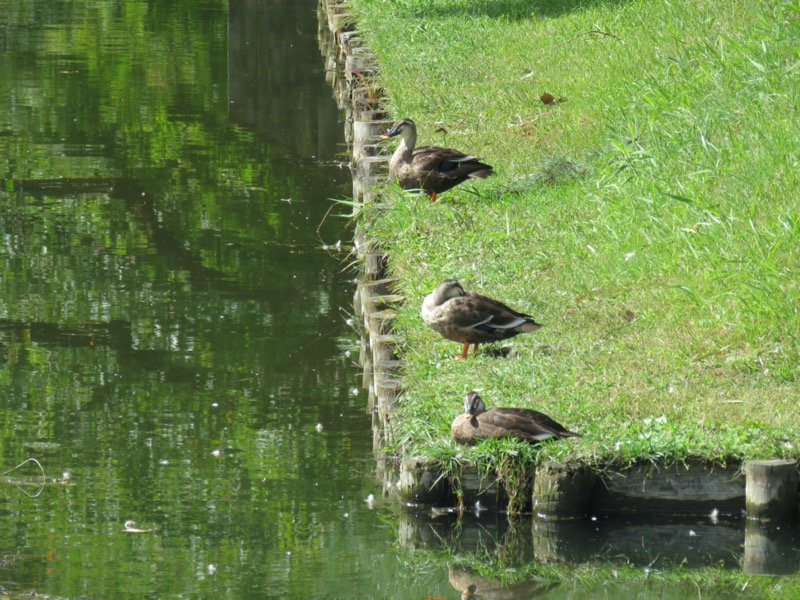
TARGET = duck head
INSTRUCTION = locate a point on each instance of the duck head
(473, 405)
(447, 289)
(405, 128)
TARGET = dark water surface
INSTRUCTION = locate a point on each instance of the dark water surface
(172, 327)
(173, 338)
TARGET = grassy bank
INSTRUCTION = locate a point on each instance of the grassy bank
(650, 220)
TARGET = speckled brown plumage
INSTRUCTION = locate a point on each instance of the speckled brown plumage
(477, 423)
(469, 318)
(432, 169)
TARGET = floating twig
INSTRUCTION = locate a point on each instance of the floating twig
(24, 462)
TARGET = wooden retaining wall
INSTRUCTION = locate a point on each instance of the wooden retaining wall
(349, 70)
(769, 492)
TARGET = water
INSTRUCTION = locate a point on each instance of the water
(173, 307)
(172, 325)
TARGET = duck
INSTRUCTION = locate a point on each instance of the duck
(432, 169)
(477, 423)
(469, 318)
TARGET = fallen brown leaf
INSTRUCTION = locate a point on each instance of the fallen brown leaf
(550, 99)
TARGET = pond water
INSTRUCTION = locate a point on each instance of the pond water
(174, 297)
(173, 307)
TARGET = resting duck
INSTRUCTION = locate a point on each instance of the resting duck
(432, 169)
(477, 423)
(469, 318)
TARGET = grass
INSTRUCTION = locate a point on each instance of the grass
(650, 220)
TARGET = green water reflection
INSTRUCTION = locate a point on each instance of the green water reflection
(171, 327)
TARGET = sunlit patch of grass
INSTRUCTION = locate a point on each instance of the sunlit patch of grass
(665, 266)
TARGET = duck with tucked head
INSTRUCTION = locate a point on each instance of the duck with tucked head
(469, 318)
(432, 169)
(478, 423)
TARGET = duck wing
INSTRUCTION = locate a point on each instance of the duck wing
(485, 314)
(525, 423)
(450, 164)
(445, 159)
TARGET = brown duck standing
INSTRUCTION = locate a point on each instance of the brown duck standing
(430, 168)
(477, 423)
(469, 318)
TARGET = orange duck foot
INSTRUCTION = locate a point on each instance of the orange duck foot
(464, 353)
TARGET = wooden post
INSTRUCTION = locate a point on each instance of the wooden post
(771, 489)
(421, 482)
(380, 322)
(375, 264)
(372, 168)
(386, 392)
(360, 239)
(561, 490)
(366, 135)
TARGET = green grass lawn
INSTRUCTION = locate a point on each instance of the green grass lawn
(650, 220)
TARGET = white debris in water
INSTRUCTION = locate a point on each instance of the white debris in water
(692, 533)
(318, 427)
(714, 516)
(132, 526)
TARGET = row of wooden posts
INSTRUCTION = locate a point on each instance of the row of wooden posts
(762, 489)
